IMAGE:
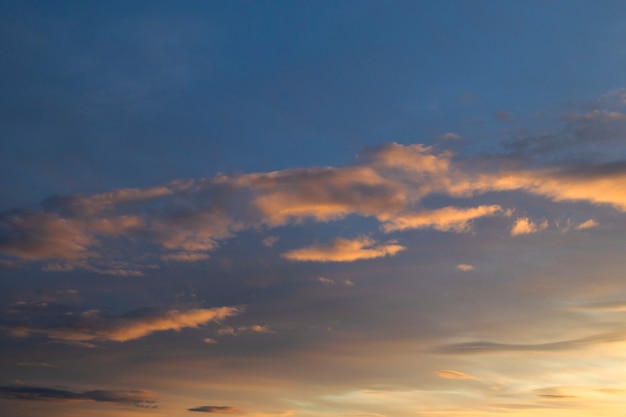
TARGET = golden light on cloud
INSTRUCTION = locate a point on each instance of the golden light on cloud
(525, 226)
(588, 224)
(92, 326)
(345, 250)
(444, 219)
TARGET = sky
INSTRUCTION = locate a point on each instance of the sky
(313, 208)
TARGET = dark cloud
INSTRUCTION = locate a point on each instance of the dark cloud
(143, 399)
(216, 409)
(583, 137)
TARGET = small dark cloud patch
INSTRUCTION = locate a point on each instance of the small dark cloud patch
(142, 399)
(216, 409)
(504, 115)
(558, 396)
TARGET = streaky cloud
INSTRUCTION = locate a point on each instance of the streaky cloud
(483, 347)
(450, 374)
(93, 326)
(136, 398)
(216, 409)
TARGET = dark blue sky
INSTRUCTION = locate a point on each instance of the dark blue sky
(312, 208)
(118, 94)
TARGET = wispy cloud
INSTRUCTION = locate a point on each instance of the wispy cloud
(478, 347)
(93, 326)
(445, 219)
(344, 250)
(255, 328)
(588, 224)
(450, 374)
(185, 256)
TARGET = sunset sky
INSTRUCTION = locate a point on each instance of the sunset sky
(313, 208)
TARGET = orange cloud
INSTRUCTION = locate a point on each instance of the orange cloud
(524, 226)
(449, 374)
(465, 267)
(444, 219)
(187, 219)
(587, 224)
(91, 325)
(344, 250)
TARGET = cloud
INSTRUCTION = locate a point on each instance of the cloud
(270, 241)
(217, 409)
(37, 364)
(36, 236)
(557, 396)
(326, 281)
(185, 220)
(344, 250)
(450, 137)
(185, 256)
(449, 374)
(91, 325)
(587, 224)
(255, 328)
(479, 347)
(444, 219)
(143, 399)
(607, 306)
(465, 267)
(525, 226)
(597, 115)
(504, 115)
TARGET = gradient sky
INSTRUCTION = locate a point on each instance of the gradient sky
(313, 208)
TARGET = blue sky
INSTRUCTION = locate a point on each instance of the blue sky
(289, 208)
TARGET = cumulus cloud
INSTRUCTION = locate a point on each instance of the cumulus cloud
(525, 226)
(344, 250)
(143, 399)
(216, 409)
(93, 326)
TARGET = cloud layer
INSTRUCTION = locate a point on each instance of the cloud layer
(183, 221)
